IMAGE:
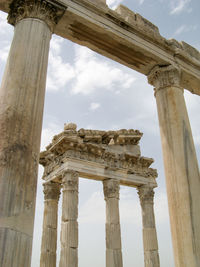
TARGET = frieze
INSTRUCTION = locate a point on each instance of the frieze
(93, 146)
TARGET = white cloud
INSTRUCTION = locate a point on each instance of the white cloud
(92, 73)
(185, 28)
(94, 106)
(4, 26)
(48, 133)
(177, 6)
(4, 51)
(59, 72)
(113, 3)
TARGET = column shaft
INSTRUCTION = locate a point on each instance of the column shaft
(181, 166)
(113, 231)
(150, 243)
(50, 218)
(21, 109)
(69, 226)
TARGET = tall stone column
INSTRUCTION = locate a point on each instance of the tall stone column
(21, 110)
(181, 166)
(50, 219)
(113, 231)
(150, 243)
(69, 225)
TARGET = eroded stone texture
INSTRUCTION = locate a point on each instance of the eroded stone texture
(150, 243)
(181, 167)
(69, 224)
(21, 109)
(50, 220)
(113, 232)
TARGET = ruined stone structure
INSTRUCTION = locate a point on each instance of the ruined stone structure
(129, 39)
(112, 157)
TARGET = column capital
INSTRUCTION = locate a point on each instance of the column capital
(51, 191)
(47, 11)
(70, 180)
(146, 194)
(111, 188)
(162, 77)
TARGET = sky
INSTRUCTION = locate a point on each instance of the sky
(97, 93)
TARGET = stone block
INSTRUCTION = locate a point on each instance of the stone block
(127, 14)
(150, 239)
(113, 236)
(113, 258)
(69, 234)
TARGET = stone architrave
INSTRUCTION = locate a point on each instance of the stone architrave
(50, 220)
(113, 231)
(21, 110)
(150, 243)
(181, 167)
(69, 224)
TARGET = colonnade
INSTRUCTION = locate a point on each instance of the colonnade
(69, 224)
(21, 110)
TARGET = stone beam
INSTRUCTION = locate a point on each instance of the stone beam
(97, 172)
(125, 37)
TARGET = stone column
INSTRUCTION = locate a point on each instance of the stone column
(150, 243)
(181, 166)
(21, 110)
(113, 231)
(50, 218)
(69, 225)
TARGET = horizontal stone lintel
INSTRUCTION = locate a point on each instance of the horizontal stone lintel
(97, 172)
(113, 35)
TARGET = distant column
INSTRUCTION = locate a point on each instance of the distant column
(113, 231)
(150, 243)
(181, 166)
(21, 110)
(50, 218)
(69, 225)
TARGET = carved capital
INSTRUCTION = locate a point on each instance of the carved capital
(161, 77)
(70, 180)
(51, 191)
(146, 194)
(111, 188)
(47, 11)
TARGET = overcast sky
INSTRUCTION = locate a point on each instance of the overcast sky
(97, 93)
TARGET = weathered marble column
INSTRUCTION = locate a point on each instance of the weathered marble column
(181, 167)
(113, 231)
(50, 218)
(150, 243)
(69, 225)
(21, 109)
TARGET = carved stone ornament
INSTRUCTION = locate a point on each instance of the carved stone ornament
(146, 194)
(111, 188)
(70, 180)
(161, 77)
(51, 191)
(39, 9)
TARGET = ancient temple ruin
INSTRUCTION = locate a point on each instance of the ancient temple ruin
(112, 157)
(129, 39)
